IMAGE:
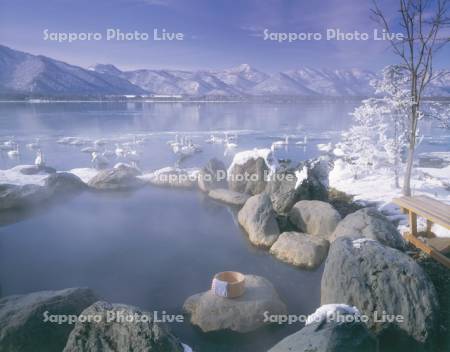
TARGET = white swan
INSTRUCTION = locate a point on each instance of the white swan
(120, 152)
(99, 160)
(281, 143)
(39, 161)
(34, 145)
(325, 147)
(304, 142)
(15, 153)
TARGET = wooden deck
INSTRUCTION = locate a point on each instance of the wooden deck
(434, 212)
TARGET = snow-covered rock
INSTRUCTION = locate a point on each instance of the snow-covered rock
(330, 336)
(172, 177)
(250, 170)
(117, 178)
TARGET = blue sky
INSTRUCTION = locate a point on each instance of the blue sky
(218, 33)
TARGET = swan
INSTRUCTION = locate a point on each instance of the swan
(99, 160)
(39, 161)
(120, 152)
(34, 145)
(13, 154)
(214, 140)
(304, 142)
(325, 147)
(281, 143)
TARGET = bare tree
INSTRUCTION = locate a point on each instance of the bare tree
(422, 23)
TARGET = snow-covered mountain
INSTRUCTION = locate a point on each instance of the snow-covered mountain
(30, 74)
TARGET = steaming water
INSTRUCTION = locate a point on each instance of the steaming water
(154, 247)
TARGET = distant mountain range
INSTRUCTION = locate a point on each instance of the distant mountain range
(27, 74)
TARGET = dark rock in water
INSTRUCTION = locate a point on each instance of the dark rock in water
(117, 178)
(250, 177)
(330, 336)
(63, 183)
(212, 176)
(283, 192)
(369, 223)
(229, 197)
(141, 334)
(378, 279)
(257, 217)
(243, 314)
(22, 319)
(22, 196)
(314, 217)
(34, 170)
(312, 189)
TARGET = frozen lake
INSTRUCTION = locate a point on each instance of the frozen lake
(155, 247)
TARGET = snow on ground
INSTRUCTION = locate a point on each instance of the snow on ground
(330, 311)
(242, 157)
(379, 187)
(15, 177)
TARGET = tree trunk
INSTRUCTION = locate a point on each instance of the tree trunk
(407, 178)
(412, 135)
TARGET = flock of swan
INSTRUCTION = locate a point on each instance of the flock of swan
(105, 151)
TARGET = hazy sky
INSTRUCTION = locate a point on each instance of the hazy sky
(218, 33)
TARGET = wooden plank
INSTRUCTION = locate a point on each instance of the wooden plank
(429, 250)
(441, 244)
(440, 218)
(424, 206)
(413, 223)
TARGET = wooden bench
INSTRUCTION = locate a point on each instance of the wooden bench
(434, 212)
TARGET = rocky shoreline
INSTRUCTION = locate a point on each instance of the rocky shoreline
(292, 214)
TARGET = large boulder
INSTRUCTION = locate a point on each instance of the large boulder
(23, 325)
(369, 223)
(243, 314)
(172, 177)
(117, 178)
(213, 175)
(315, 185)
(283, 191)
(22, 196)
(249, 171)
(314, 217)
(330, 335)
(64, 183)
(299, 249)
(257, 217)
(112, 333)
(229, 197)
(378, 279)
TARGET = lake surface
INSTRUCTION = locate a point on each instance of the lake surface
(155, 247)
